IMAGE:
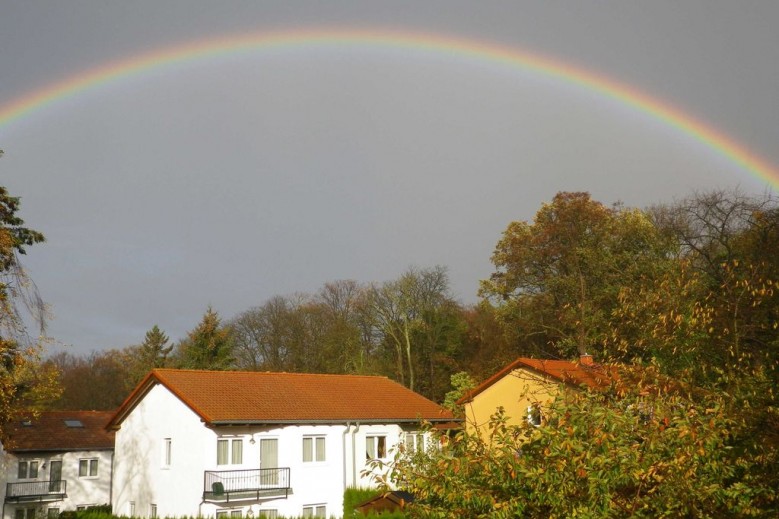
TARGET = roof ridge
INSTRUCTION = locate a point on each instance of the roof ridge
(250, 372)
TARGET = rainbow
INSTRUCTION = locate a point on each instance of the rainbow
(415, 42)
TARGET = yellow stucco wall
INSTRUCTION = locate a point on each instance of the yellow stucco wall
(515, 392)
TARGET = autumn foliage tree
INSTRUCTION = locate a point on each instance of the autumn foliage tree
(24, 384)
(557, 279)
(689, 298)
(98, 381)
(602, 454)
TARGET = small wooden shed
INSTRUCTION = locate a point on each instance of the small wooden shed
(386, 502)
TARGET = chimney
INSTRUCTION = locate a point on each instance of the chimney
(586, 359)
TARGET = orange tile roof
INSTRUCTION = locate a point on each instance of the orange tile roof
(574, 373)
(49, 432)
(232, 397)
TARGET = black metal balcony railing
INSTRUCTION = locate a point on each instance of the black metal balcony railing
(227, 485)
(36, 491)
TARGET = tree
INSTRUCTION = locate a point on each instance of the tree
(265, 336)
(709, 227)
(345, 339)
(486, 345)
(407, 309)
(461, 382)
(24, 384)
(150, 354)
(674, 452)
(557, 279)
(99, 381)
(730, 239)
(208, 346)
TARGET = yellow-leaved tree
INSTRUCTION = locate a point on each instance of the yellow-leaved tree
(25, 384)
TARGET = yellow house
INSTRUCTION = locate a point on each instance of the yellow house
(524, 387)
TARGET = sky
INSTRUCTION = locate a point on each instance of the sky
(225, 179)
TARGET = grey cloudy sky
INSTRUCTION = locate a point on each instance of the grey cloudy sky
(226, 181)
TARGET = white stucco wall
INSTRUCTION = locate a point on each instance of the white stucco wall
(140, 476)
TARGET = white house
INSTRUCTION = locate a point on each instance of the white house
(59, 461)
(252, 444)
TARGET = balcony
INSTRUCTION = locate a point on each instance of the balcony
(225, 486)
(36, 491)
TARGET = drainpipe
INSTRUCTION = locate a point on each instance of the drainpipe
(110, 483)
(343, 446)
(354, 454)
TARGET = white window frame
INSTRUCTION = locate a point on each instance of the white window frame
(535, 416)
(415, 442)
(269, 513)
(376, 446)
(233, 453)
(167, 452)
(52, 512)
(26, 512)
(90, 463)
(318, 448)
(28, 465)
(153, 510)
(317, 510)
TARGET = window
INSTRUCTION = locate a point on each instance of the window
(229, 452)
(375, 447)
(167, 452)
(314, 448)
(52, 513)
(28, 470)
(268, 514)
(415, 442)
(153, 511)
(24, 513)
(131, 507)
(75, 424)
(237, 454)
(534, 416)
(87, 468)
(315, 511)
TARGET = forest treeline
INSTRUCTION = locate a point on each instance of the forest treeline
(690, 286)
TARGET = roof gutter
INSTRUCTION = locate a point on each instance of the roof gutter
(61, 449)
(334, 421)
